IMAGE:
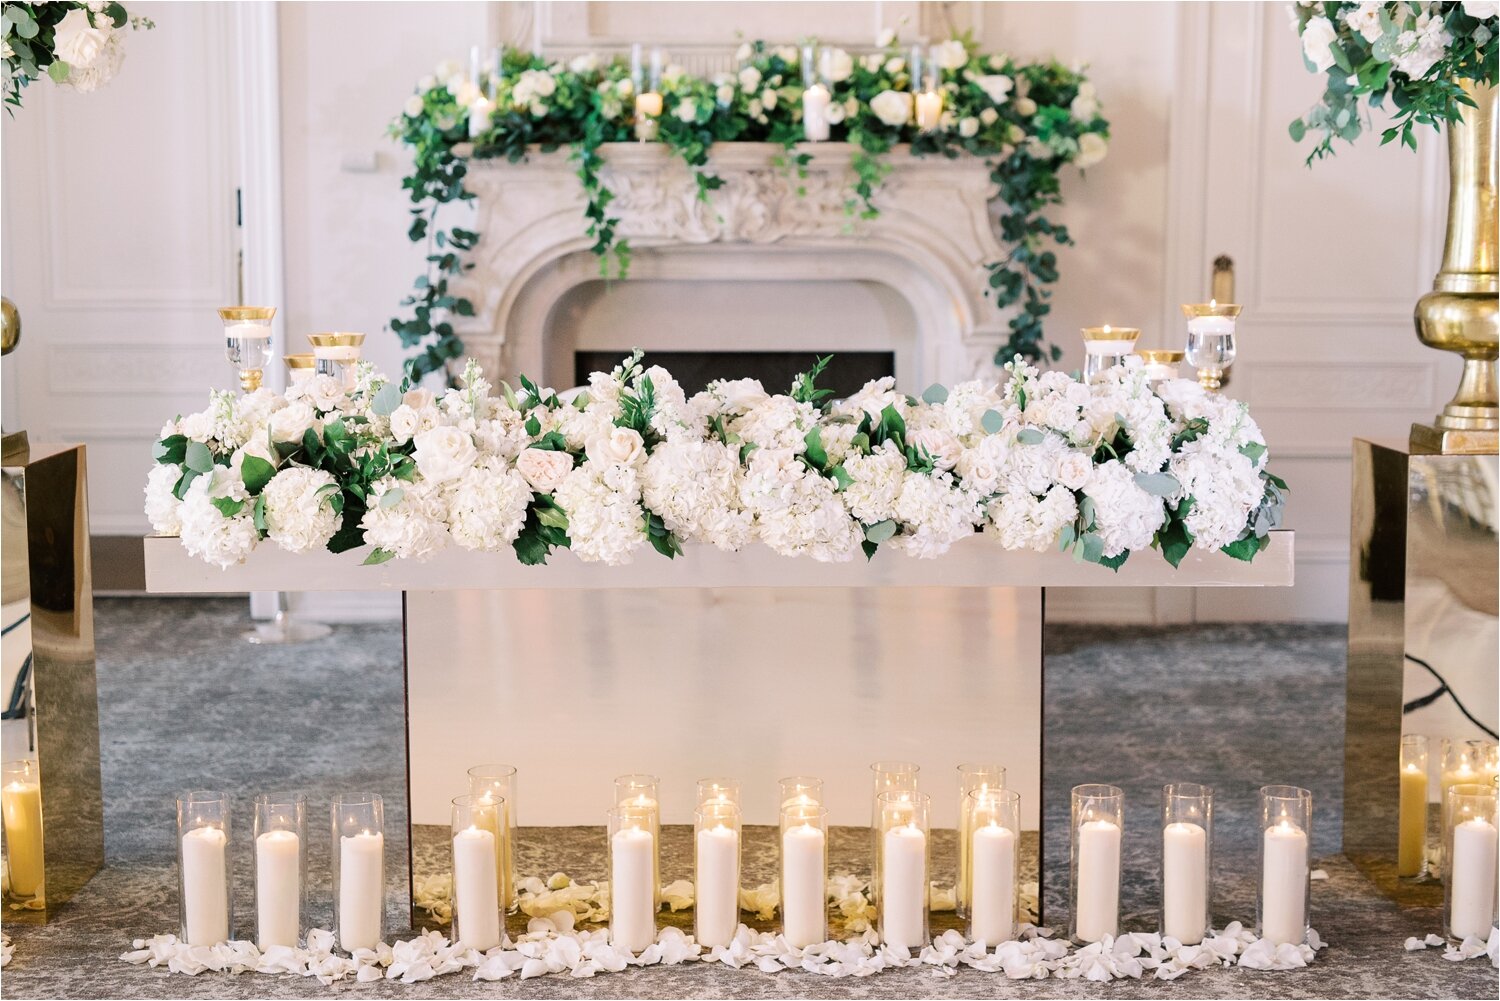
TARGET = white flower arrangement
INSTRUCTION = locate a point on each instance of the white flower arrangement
(78, 45)
(1101, 470)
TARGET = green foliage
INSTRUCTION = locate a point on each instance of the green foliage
(30, 32)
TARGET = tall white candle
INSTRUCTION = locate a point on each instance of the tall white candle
(22, 804)
(1472, 881)
(1184, 887)
(903, 887)
(278, 889)
(205, 886)
(632, 898)
(929, 109)
(361, 889)
(479, 117)
(717, 886)
(1098, 879)
(476, 888)
(992, 884)
(804, 885)
(1284, 884)
(815, 101)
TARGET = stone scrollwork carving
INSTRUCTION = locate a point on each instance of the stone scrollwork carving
(753, 206)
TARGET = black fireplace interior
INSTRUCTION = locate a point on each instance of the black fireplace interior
(848, 371)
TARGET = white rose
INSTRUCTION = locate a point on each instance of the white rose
(1317, 42)
(1073, 468)
(989, 116)
(941, 445)
(418, 398)
(968, 128)
(744, 52)
(326, 392)
(1092, 148)
(749, 79)
(893, 107)
(77, 42)
(895, 65)
(687, 110)
(996, 86)
(292, 421)
(443, 453)
(586, 63)
(544, 469)
(886, 38)
(834, 113)
(725, 94)
(1084, 108)
(768, 99)
(836, 65)
(979, 471)
(413, 106)
(1481, 9)
(405, 422)
(950, 55)
(741, 394)
(871, 62)
(622, 446)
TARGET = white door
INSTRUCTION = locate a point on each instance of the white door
(119, 243)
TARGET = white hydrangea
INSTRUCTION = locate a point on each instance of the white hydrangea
(163, 510)
(1225, 487)
(1019, 520)
(778, 422)
(934, 512)
(406, 518)
(603, 503)
(209, 534)
(299, 508)
(1125, 515)
(797, 512)
(694, 487)
(877, 480)
(487, 505)
(872, 399)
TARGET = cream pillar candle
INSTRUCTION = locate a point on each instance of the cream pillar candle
(632, 898)
(476, 888)
(278, 889)
(1411, 851)
(361, 889)
(1098, 880)
(1471, 890)
(815, 101)
(1184, 892)
(480, 113)
(929, 110)
(992, 884)
(205, 890)
(903, 887)
(804, 873)
(1284, 884)
(716, 885)
(22, 808)
(648, 105)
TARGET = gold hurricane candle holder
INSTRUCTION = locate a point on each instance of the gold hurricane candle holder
(1105, 347)
(1211, 339)
(300, 367)
(336, 353)
(1160, 364)
(247, 341)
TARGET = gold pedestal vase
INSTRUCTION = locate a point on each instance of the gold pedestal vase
(1460, 313)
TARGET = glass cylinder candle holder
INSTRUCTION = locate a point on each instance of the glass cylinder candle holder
(1160, 364)
(1460, 762)
(358, 861)
(477, 854)
(336, 354)
(1469, 877)
(639, 794)
(1187, 870)
(1411, 845)
(247, 342)
(1210, 339)
(205, 901)
(300, 367)
(1094, 877)
(21, 798)
(716, 872)
(815, 99)
(928, 99)
(1105, 347)
(804, 872)
(718, 791)
(901, 868)
(497, 783)
(993, 832)
(971, 777)
(648, 100)
(800, 790)
(890, 776)
(1281, 907)
(633, 881)
(280, 869)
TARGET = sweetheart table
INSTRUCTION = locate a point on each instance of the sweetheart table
(747, 664)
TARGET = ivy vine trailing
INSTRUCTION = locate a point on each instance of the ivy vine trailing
(1026, 120)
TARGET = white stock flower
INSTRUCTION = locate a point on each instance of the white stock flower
(544, 469)
(1126, 517)
(892, 107)
(487, 505)
(162, 509)
(605, 520)
(1417, 51)
(694, 487)
(77, 42)
(443, 453)
(797, 512)
(406, 518)
(299, 508)
(621, 446)
(1092, 148)
(1317, 42)
(208, 533)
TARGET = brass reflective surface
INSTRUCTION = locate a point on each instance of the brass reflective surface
(47, 572)
(1420, 523)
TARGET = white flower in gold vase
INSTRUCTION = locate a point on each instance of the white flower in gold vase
(892, 107)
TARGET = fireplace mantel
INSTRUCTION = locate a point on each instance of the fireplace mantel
(930, 241)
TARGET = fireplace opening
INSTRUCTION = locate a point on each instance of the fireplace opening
(694, 370)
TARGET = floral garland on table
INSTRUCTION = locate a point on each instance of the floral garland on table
(1412, 53)
(1097, 469)
(78, 45)
(1026, 120)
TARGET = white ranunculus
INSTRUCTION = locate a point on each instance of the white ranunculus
(996, 86)
(687, 110)
(950, 55)
(443, 453)
(405, 422)
(622, 446)
(1073, 468)
(749, 79)
(77, 42)
(543, 468)
(292, 421)
(989, 116)
(413, 106)
(1092, 148)
(968, 127)
(1317, 42)
(893, 107)
(1481, 9)
(943, 446)
(836, 65)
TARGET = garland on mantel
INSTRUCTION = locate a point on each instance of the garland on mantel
(1027, 120)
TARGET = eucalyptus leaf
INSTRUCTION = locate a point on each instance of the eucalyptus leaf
(992, 421)
(935, 394)
(1030, 436)
(1093, 547)
(880, 531)
(387, 399)
(1158, 484)
(197, 457)
(392, 497)
(378, 556)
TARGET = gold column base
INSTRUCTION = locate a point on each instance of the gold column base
(1211, 378)
(1428, 439)
(250, 379)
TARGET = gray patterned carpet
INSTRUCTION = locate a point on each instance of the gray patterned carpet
(1233, 706)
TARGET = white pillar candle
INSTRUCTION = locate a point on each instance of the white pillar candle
(992, 884)
(205, 889)
(1098, 879)
(1184, 887)
(1472, 881)
(476, 888)
(22, 803)
(278, 889)
(648, 105)
(815, 101)
(903, 887)
(1411, 846)
(716, 886)
(1284, 884)
(632, 898)
(336, 352)
(361, 889)
(479, 117)
(247, 329)
(804, 885)
(929, 109)
(1211, 325)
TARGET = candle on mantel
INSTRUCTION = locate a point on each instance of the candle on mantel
(480, 113)
(903, 887)
(1184, 892)
(815, 101)
(1411, 851)
(632, 898)
(648, 105)
(476, 888)
(23, 836)
(1471, 888)
(1098, 880)
(1284, 884)
(803, 885)
(205, 890)
(992, 884)
(929, 109)
(361, 889)
(716, 886)
(1214, 323)
(278, 889)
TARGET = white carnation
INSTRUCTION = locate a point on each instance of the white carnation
(163, 510)
(299, 508)
(487, 505)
